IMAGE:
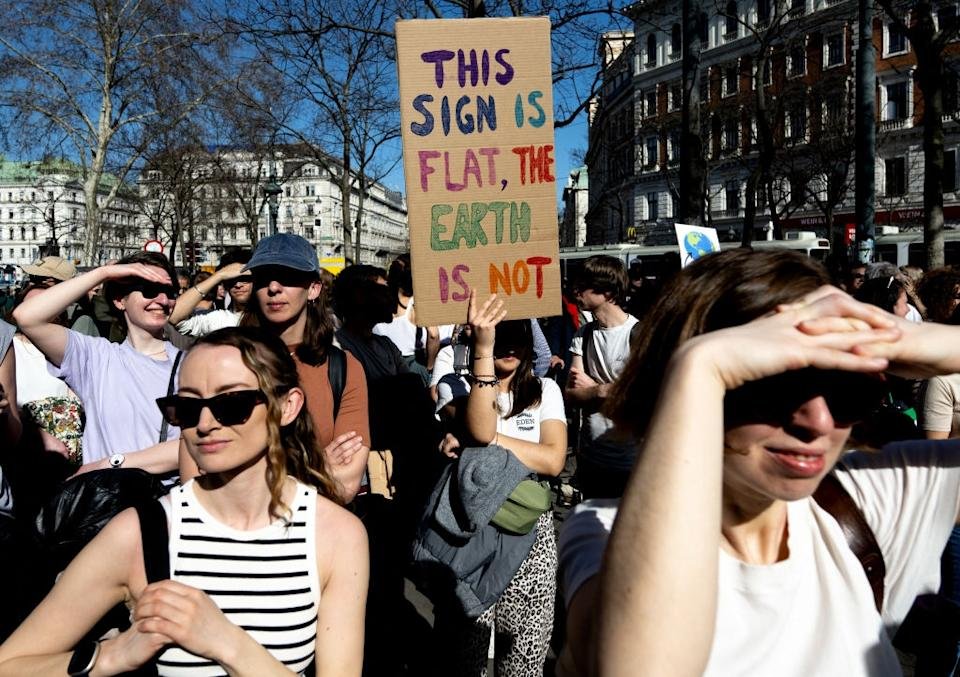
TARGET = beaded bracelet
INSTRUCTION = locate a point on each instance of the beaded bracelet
(477, 381)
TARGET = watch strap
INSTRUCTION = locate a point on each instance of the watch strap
(84, 658)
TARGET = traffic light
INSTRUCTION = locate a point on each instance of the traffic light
(191, 253)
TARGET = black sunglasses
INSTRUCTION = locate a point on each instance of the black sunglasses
(233, 282)
(850, 396)
(231, 408)
(152, 290)
(287, 277)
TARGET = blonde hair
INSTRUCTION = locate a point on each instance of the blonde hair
(292, 449)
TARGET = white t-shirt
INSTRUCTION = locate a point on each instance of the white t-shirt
(34, 381)
(207, 323)
(813, 613)
(941, 404)
(605, 357)
(526, 425)
(442, 365)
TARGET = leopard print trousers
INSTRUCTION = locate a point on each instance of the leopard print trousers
(522, 618)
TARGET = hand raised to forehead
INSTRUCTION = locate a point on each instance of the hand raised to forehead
(142, 270)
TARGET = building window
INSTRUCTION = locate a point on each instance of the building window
(795, 123)
(308, 232)
(797, 60)
(732, 196)
(311, 190)
(675, 41)
(897, 101)
(949, 178)
(833, 52)
(650, 107)
(951, 100)
(651, 153)
(731, 134)
(33, 233)
(730, 22)
(834, 114)
(798, 7)
(651, 50)
(676, 96)
(673, 146)
(947, 18)
(703, 23)
(730, 80)
(895, 176)
(652, 210)
(896, 42)
(763, 13)
(309, 210)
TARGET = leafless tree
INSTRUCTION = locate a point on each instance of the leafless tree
(87, 78)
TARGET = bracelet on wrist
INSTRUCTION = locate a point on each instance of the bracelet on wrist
(481, 381)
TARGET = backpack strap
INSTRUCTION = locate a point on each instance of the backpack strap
(832, 497)
(153, 533)
(165, 427)
(337, 375)
(587, 337)
(634, 335)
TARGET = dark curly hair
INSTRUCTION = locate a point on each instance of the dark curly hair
(938, 289)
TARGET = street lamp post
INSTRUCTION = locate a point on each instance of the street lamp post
(272, 191)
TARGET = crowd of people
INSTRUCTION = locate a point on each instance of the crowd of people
(744, 469)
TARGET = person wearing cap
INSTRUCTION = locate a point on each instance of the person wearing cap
(116, 382)
(285, 300)
(239, 283)
(50, 270)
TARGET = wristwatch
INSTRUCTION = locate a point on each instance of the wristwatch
(117, 460)
(84, 658)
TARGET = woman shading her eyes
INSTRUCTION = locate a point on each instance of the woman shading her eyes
(717, 560)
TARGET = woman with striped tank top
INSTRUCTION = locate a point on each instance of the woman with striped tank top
(268, 573)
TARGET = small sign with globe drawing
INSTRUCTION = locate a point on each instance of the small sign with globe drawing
(695, 242)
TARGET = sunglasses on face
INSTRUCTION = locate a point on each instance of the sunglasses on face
(232, 408)
(851, 397)
(152, 290)
(237, 281)
(286, 277)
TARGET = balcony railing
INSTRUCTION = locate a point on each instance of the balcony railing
(891, 125)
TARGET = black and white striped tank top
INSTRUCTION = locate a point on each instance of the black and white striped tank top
(264, 581)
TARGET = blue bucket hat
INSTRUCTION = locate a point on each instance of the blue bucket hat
(287, 250)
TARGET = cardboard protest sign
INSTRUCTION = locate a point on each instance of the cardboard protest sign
(476, 112)
(695, 241)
